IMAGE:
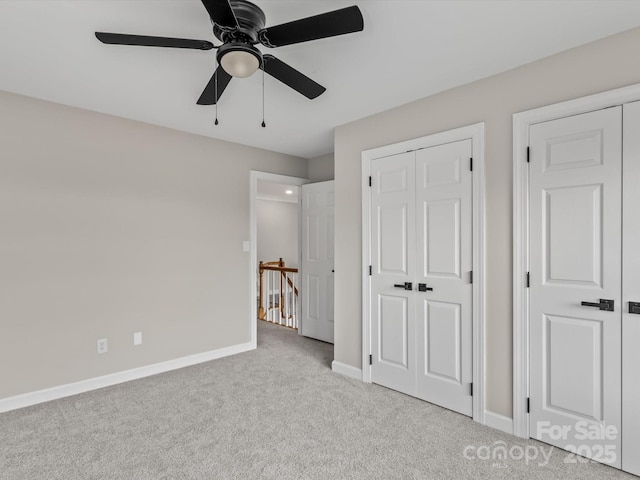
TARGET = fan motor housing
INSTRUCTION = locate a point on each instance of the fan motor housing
(251, 19)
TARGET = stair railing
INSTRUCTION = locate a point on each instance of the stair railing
(278, 293)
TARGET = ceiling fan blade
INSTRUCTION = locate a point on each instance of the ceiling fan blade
(145, 41)
(330, 24)
(209, 95)
(291, 77)
(221, 13)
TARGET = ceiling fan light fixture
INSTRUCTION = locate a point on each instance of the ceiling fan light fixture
(240, 25)
(239, 60)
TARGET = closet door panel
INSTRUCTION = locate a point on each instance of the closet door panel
(444, 321)
(393, 261)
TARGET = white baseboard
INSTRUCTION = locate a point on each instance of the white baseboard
(61, 391)
(499, 422)
(346, 370)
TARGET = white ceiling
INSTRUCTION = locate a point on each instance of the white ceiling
(409, 49)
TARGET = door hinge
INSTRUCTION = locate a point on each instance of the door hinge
(528, 283)
(471, 164)
(528, 154)
(370, 270)
(370, 359)
(471, 276)
(370, 181)
(471, 389)
(528, 405)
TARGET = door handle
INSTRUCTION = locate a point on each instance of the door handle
(405, 285)
(422, 287)
(604, 304)
(634, 307)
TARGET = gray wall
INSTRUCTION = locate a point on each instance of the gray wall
(277, 224)
(110, 227)
(321, 168)
(599, 66)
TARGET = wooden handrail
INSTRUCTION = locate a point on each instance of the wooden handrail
(276, 266)
(281, 269)
(290, 282)
(277, 263)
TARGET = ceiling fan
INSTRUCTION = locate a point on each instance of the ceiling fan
(240, 26)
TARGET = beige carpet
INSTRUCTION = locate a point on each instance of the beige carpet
(274, 413)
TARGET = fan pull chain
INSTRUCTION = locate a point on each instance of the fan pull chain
(216, 95)
(263, 123)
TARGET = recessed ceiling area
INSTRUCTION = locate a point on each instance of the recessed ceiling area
(409, 49)
(278, 192)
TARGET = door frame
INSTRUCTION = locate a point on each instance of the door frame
(521, 123)
(254, 177)
(474, 132)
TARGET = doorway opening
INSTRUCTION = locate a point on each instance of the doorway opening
(266, 191)
(294, 241)
(278, 227)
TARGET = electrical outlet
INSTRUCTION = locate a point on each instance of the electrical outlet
(102, 345)
(137, 338)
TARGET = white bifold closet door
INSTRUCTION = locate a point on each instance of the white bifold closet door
(583, 348)
(421, 292)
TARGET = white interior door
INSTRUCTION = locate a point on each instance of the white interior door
(444, 263)
(421, 292)
(575, 252)
(631, 291)
(393, 265)
(317, 262)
